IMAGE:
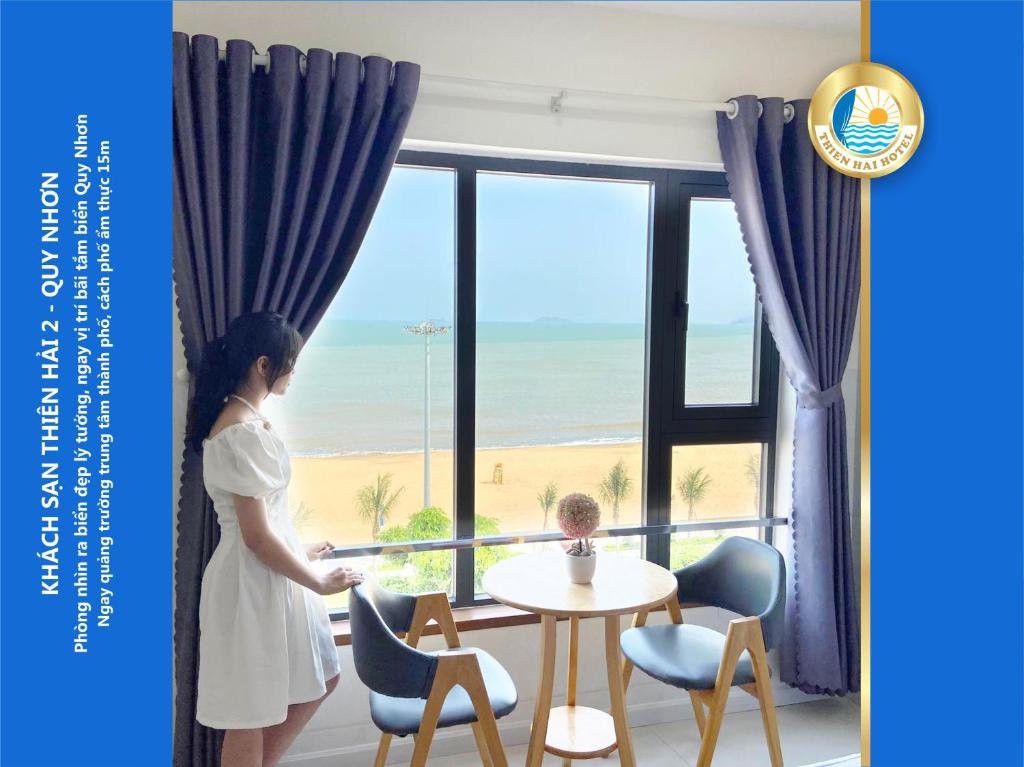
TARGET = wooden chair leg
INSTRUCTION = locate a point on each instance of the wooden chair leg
(712, 726)
(486, 724)
(698, 711)
(445, 678)
(736, 641)
(639, 620)
(481, 745)
(426, 735)
(765, 699)
(382, 750)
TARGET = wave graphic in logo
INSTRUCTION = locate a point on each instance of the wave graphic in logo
(866, 119)
(869, 139)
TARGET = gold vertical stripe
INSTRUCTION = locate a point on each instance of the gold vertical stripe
(865, 430)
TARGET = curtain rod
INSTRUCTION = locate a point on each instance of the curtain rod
(552, 98)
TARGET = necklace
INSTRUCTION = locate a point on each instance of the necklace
(257, 413)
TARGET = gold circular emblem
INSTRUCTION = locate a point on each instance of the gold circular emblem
(865, 120)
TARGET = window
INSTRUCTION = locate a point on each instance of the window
(721, 306)
(513, 331)
(561, 319)
(381, 361)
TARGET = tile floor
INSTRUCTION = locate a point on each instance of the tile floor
(819, 731)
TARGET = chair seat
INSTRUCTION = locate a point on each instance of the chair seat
(402, 716)
(682, 655)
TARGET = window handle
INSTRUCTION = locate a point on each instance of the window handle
(682, 309)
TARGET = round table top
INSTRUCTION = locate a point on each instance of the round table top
(539, 583)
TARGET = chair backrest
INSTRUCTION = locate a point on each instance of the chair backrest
(384, 662)
(742, 575)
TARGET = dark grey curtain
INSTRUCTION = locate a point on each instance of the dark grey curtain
(801, 223)
(276, 177)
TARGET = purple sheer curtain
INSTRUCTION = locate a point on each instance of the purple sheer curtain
(277, 174)
(801, 224)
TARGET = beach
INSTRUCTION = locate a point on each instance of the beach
(323, 490)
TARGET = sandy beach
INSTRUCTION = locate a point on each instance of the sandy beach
(323, 490)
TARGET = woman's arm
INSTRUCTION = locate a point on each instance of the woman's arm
(275, 554)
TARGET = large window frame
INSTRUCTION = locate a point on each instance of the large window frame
(668, 421)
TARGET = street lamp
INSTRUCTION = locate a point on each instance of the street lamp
(426, 329)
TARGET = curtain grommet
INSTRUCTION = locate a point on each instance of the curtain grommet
(733, 110)
(788, 113)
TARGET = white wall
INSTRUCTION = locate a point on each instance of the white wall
(569, 45)
(572, 46)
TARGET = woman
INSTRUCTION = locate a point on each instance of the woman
(266, 652)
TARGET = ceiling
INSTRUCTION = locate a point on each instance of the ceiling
(829, 16)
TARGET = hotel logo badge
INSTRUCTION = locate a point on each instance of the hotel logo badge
(865, 120)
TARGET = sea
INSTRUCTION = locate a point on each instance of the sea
(359, 387)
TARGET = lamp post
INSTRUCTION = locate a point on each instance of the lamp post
(426, 329)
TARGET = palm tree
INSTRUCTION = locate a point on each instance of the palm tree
(303, 515)
(547, 498)
(375, 502)
(615, 487)
(693, 488)
(753, 471)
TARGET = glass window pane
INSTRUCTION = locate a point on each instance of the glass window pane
(687, 548)
(720, 339)
(717, 482)
(561, 312)
(355, 417)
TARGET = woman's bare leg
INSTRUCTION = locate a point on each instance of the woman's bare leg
(242, 748)
(277, 739)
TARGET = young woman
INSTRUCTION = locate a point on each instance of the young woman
(266, 653)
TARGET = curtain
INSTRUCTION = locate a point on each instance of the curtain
(276, 177)
(800, 221)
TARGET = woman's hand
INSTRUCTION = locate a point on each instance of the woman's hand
(337, 580)
(316, 551)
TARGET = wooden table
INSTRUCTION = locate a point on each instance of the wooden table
(539, 583)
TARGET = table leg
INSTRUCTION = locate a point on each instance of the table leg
(542, 706)
(574, 655)
(574, 648)
(616, 691)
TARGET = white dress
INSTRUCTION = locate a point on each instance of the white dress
(265, 641)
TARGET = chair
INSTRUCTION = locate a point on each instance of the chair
(414, 692)
(742, 575)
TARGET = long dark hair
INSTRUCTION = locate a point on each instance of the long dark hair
(226, 362)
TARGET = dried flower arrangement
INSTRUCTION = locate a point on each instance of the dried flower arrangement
(578, 517)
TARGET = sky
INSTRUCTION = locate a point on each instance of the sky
(569, 249)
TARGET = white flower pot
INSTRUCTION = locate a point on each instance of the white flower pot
(581, 568)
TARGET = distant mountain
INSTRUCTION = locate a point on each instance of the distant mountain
(553, 320)
(743, 321)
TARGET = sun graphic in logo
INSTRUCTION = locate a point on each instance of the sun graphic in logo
(866, 119)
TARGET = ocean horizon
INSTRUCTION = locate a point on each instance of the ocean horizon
(358, 388)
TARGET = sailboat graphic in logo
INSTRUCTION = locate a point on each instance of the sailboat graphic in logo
(866, 120)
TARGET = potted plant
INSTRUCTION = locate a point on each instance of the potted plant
(578, 517)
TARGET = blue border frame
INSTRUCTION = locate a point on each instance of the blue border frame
(946, 357)
(946, 348)
(112, 705)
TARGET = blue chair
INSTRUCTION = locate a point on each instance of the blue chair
(414, 692)
(741, 575)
